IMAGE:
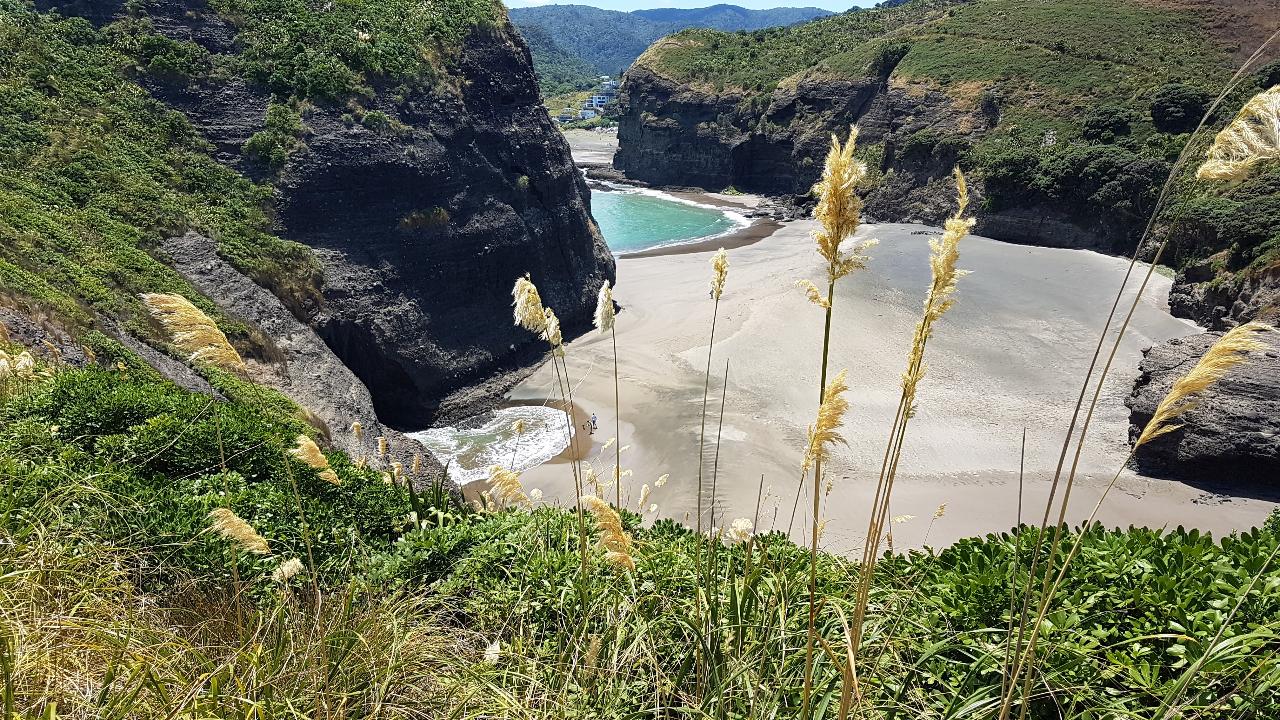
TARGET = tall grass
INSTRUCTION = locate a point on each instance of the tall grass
(838, 214)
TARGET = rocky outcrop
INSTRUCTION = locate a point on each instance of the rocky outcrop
(422, 220)
(1221, 303)
(1231, 437)
(301, 365)
(675, 134)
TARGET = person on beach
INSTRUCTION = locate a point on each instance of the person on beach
(593, 424)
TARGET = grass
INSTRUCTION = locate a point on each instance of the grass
(347, 48)
(93, 173)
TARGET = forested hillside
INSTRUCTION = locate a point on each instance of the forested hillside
(609, 40)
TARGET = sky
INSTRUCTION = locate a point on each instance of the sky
(627, 5)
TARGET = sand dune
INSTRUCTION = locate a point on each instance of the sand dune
(1009, 356)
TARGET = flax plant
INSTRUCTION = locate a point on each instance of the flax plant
(939, 298)
(838, 214)
(603, 320)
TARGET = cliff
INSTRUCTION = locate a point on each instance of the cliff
(1067, 117)
(407, 192)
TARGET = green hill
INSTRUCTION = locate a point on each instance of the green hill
(609, 40)
(1068, 114)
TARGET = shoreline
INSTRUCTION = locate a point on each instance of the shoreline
(756, 229)
(1008, 356)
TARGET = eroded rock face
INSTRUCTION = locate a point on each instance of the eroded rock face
(675, 134)
(1232, 436)
(422, 226)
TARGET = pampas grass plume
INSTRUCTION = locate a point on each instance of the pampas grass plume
(193, 332)
(551, 330)
(604, 308)
(1252, 137)
(719, 272)
(230, 526)
(288, 570)
(307, 452)
(823, 433)
(612, 536)
(939, 297)
(504, 486)
(1230, 350)
(527, 303)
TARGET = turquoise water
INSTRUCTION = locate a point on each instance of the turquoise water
(632, 220)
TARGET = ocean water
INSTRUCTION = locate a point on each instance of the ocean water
(633, 219)
(471, 448)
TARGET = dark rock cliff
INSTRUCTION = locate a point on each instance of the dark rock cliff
(421, 224)
(675, 134)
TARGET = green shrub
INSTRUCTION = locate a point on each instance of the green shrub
(1178, 108)
(1106, 123)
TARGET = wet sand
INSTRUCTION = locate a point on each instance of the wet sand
(1009, 356)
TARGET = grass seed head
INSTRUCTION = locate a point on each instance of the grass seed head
(307, 452)
(528, 306)
(823, 434)
(505, 487)
(604, 308)
(551, 331)
(1252, 137)
(1230, 350)
(612, 536)
(815, 296)
(230, 526)
(940, 296)
(839, 208)
(194, 332)
(287, 571)
(719, 272)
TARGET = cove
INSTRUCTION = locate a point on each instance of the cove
(633, 219)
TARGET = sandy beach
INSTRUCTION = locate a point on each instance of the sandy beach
(1010, 356)
(592, 148)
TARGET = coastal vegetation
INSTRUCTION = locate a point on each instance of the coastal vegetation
(448, 611)
(171, 553)
(573, 45)
(93, 171)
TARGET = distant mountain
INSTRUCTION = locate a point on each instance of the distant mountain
(608, 41)
(730, 17)
(559, 70)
